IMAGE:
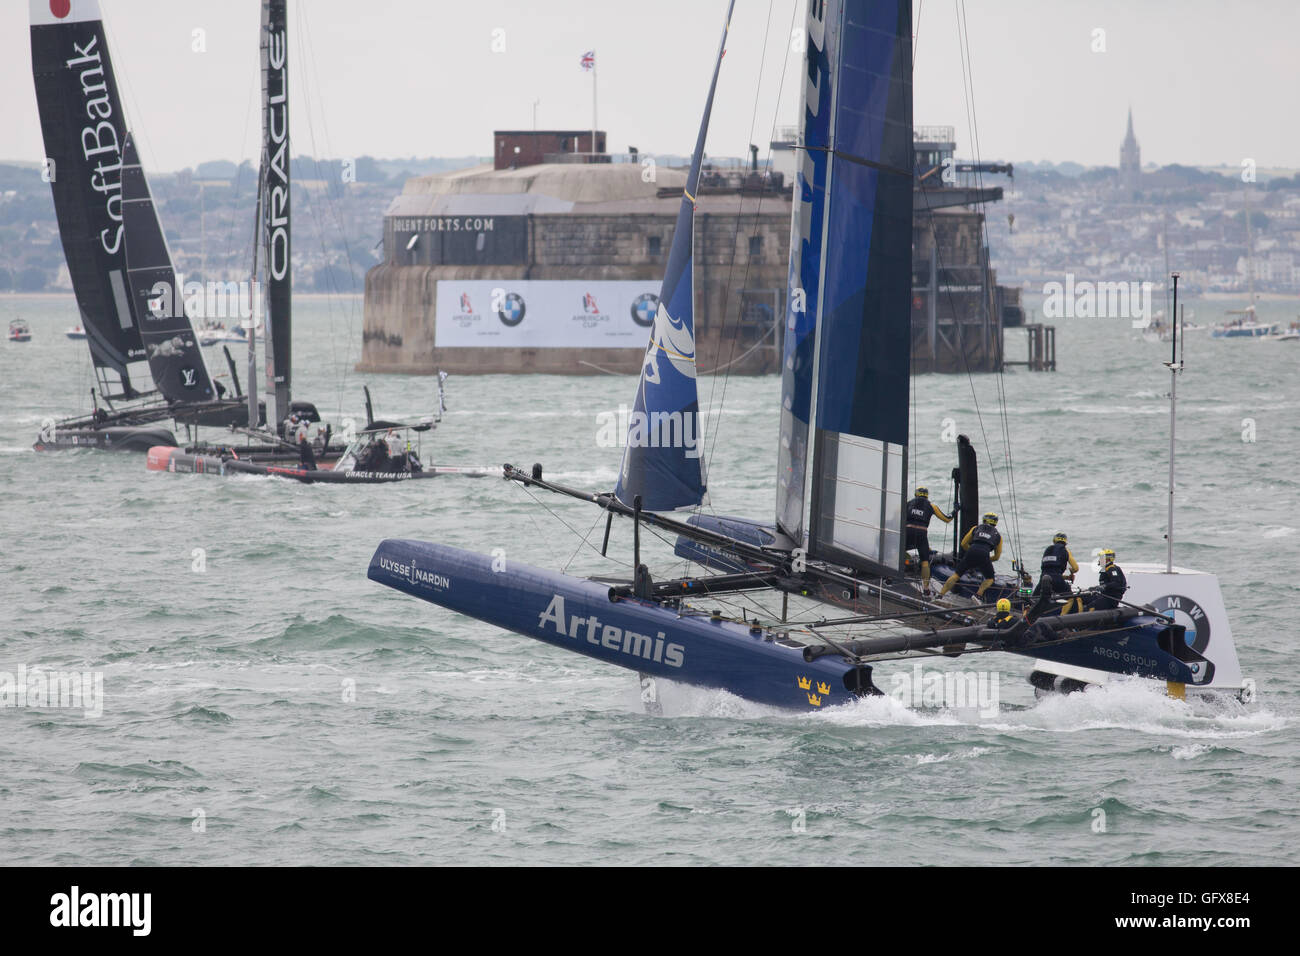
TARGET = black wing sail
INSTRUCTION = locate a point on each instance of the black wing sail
(275, 208)
(175, 361)
(84, 128)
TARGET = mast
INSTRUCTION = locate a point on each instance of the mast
(1169, 312)
(1175, 366)
(255, 307)
(275, 209)
(1250, 257)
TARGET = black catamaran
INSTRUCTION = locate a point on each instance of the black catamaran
(132, 309)
(382, 452)
(114, 247)
(838, 534)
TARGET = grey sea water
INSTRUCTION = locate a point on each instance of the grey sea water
(264, 703)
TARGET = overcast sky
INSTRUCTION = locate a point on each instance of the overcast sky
(1209, 82)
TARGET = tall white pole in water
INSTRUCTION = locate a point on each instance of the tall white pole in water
(1174, 368)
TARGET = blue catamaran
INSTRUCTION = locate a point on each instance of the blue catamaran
(837, 537)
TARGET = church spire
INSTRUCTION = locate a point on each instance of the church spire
(1130, 160)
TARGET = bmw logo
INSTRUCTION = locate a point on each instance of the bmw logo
(644, 309)
(1190, 615)
(512, 309)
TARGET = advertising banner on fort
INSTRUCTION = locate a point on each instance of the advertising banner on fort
(545, 313)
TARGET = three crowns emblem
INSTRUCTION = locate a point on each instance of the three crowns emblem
(805, 684)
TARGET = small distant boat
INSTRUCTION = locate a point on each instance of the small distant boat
(217, 333)
(368, 460)
(1159, 330)
(1248, 326)
(76, 332)
(1243, 329)
(1290, 334)
(19, 331)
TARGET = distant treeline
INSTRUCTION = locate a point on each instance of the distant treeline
(1173, 176)
(210, 229)
(361, 169)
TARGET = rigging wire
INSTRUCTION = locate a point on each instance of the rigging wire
(969, 89)
(308, 64)
(753, 121)
(913, 456)
(972, 130)
(238, 182)
(585, 539)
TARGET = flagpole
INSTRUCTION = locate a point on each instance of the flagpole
(593, 102)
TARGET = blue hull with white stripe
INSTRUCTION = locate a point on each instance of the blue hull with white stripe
(643, 636)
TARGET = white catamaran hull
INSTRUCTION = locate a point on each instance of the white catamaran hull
(1194, 600)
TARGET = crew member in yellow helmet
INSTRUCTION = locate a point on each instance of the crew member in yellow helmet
(1057, 563)
(919, 512)
(1111, 580)
(982, 546)
(1005, 617)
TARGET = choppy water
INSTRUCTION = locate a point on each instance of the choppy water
(224, 689)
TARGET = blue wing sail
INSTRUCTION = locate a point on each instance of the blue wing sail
(663, 460)
(845, 387)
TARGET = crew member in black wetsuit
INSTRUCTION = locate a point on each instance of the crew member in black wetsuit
(1057, 561)
(983, 546)
(1111, 581)
(919, 512)
(305, 455)
(379, 456)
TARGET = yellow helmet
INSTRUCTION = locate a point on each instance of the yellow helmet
(990, 517)
(922, 491)
(1107, 557)
(1059, 538)
(1004, 605)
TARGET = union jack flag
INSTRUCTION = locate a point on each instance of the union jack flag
(589, 60)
